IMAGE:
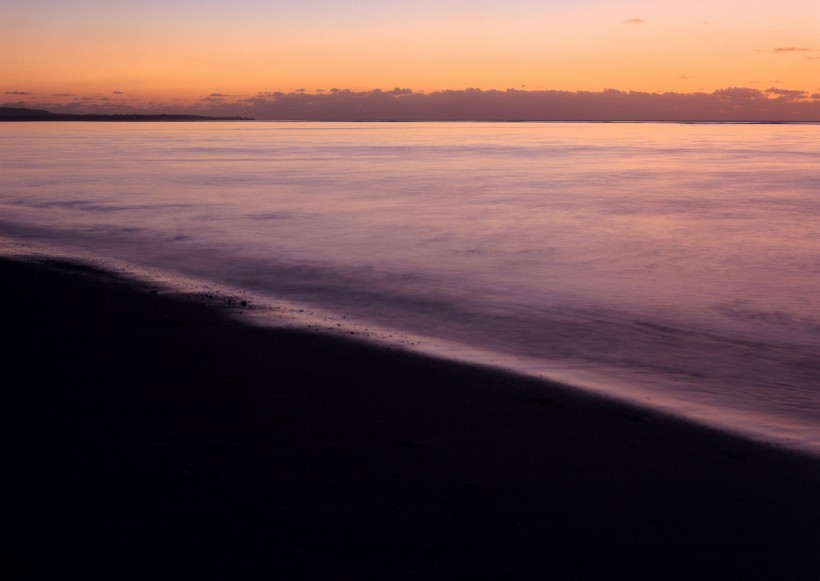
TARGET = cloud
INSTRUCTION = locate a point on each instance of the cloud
(63, 95)
(18, 93)
(634, 21)
(787, 93)
(739, 93)
(117, 93)
(399, 104)
(730, 104)
(791, 49)
(217, 97)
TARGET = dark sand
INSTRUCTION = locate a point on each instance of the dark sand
(157, 437)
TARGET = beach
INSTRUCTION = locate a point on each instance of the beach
(156, 435)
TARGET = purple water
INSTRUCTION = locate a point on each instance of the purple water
(673, 265)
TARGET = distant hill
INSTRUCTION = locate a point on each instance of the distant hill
(22, 114)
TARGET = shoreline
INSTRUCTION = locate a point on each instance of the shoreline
(23, 114)
(159, 434)
(274, 312)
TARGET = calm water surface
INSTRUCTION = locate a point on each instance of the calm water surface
(675, 265)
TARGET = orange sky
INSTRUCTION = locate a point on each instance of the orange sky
(180, 51)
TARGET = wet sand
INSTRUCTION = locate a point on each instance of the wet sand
(158, 436)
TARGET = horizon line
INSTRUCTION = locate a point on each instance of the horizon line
(188, 117)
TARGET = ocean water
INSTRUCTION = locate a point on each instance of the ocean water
(674, 265)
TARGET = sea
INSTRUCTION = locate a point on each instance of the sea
(675, 266)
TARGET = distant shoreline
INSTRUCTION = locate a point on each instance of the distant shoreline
(23, 114)
(11, 114)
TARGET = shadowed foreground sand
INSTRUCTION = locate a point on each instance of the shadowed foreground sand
(159, 437)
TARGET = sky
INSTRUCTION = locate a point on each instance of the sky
(221, 55)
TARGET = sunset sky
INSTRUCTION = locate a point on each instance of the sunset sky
(115, 55)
